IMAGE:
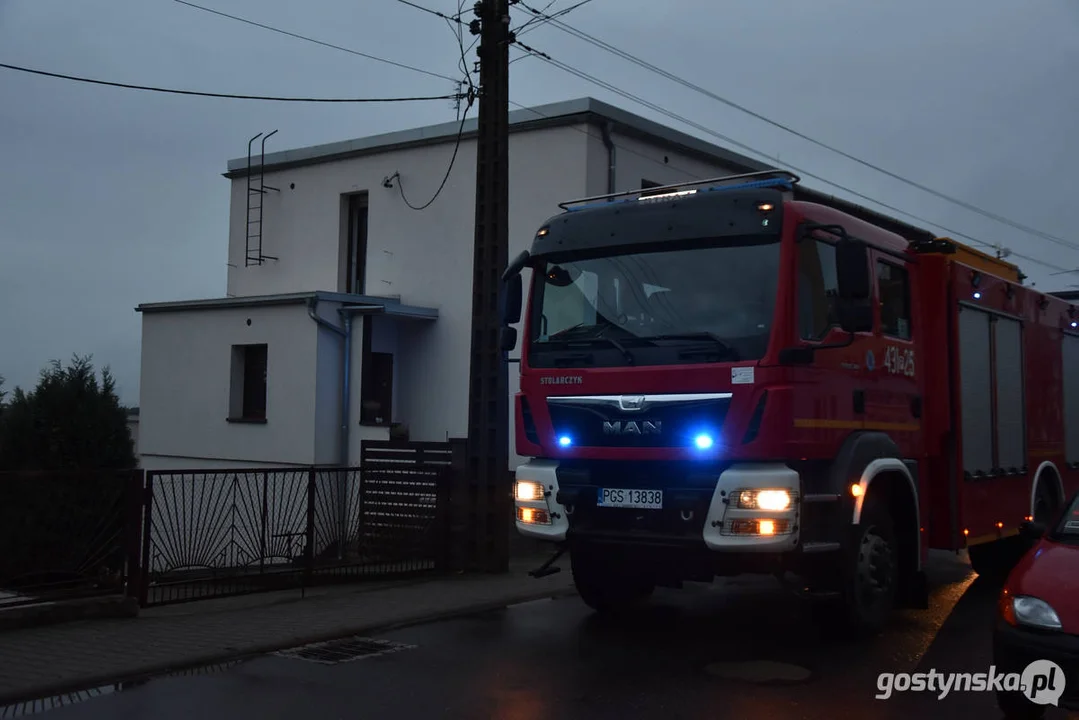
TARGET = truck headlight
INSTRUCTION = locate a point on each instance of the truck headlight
(528, 491)
(1035, 613)
(767, 500)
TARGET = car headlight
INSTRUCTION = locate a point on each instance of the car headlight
(1035, 613)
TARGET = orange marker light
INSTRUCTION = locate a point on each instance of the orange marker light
(856, 490)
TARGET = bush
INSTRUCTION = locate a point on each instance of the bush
(70, 421)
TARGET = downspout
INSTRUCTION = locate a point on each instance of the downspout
(609, 144)
(346, 360)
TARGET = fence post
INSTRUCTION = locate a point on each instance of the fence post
(133, 532)
(457, 507)
(265, 514)
(147, 540)
(443, 535)
(309, 549)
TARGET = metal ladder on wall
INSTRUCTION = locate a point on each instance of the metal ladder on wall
(256, 194)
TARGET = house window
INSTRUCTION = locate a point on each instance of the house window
(893, 286)
(247, 401)
(355, 237)
(818, 289)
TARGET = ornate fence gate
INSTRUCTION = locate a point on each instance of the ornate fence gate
(215, 533)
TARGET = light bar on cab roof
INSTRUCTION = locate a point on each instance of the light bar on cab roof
(761, 179)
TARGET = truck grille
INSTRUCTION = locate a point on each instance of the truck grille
(630, 421)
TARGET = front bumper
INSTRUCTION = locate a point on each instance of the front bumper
(1015, 648)
(698, 512)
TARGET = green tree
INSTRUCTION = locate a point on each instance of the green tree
(70, 421)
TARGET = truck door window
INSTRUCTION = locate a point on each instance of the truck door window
(817, 289)
(893, 289)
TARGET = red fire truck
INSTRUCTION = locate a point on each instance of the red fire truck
(742, 375)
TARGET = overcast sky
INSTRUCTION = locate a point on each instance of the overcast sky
(110, 197)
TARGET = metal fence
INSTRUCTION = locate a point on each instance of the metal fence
(66, 534)
(215, 533)
(171, 536)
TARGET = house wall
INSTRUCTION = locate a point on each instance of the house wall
(423, 258)
(185, 388)
(636, 160)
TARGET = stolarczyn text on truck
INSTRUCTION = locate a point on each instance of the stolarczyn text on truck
(743, 375)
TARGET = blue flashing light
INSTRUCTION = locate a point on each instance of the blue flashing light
(565, 441)
(977, 296)
(703, 441)
(783, 183)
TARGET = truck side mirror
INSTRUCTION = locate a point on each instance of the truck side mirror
(507, 338)
(852, 270)
(855, 290)
(511, 310)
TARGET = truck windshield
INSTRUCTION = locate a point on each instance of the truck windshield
(675, 305)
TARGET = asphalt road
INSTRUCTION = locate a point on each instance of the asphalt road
(555, 659)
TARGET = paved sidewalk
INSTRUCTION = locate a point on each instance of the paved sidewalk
(44, 661)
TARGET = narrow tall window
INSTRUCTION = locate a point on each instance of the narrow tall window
(356, 237)
(247, 401)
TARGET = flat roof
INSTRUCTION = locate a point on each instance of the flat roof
(369, 304)
(571, 112)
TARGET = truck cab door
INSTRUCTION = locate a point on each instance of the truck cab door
(893, 402)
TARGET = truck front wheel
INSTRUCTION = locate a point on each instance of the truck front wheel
(605, 583)
(871, 570)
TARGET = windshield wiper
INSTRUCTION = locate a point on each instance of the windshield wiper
(621, 348)
(719, 342)
(573, 335)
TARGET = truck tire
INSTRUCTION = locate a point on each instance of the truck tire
(604, 584)
(870, 572)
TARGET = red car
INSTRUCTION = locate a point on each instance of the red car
(1039, 620)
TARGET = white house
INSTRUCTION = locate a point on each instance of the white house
(255, 378)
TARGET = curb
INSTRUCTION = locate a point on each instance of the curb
(254, 651)
(55, 613)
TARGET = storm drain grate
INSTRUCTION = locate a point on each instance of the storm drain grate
(344, 650)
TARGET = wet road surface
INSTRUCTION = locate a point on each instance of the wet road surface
(555, 659)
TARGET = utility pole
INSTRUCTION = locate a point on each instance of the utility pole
(489, 490)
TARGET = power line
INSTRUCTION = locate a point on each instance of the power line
(231, 96)
(453, 159)
(279, 31)
(674, 116)
(542, 18)
(581, 35)
(448, 18)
